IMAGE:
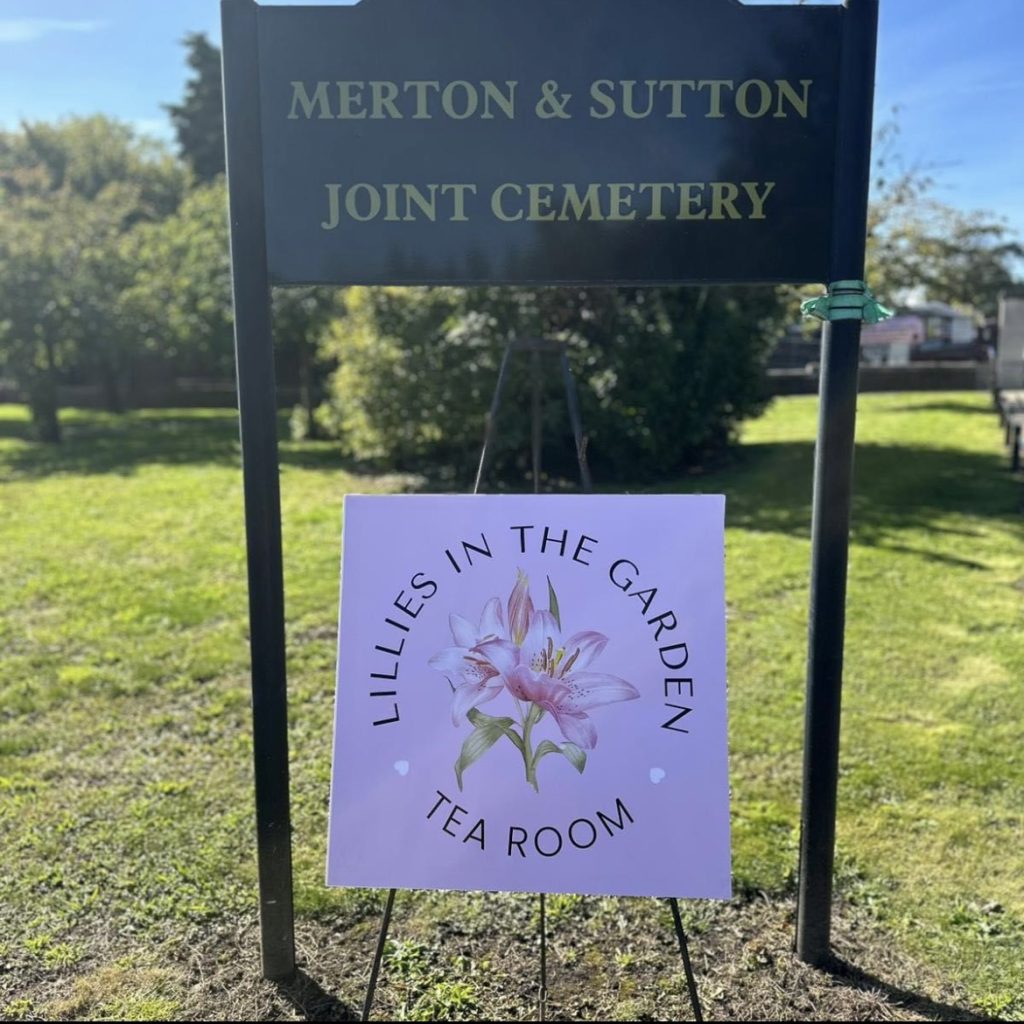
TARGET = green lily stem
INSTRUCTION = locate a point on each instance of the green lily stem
(533, 716)
(531, 764)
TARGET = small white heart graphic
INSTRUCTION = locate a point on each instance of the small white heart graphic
(657, 774)
(402, 767)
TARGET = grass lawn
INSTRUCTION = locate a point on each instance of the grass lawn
(127, 881)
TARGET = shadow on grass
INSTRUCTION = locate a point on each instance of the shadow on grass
(850, 975)
(101, 443)
(946, 406)
(96, 443)
(768, 486)
(953, 561)
(308, 998)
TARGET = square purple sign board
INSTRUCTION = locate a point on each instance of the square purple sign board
(531, 696)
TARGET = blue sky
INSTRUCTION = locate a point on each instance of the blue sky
(954, 68)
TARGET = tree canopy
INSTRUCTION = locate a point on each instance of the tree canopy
(915, 241)
(70, 194)
(199, 119)
(666, 374)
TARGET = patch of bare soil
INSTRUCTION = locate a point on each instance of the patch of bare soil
(607, 960)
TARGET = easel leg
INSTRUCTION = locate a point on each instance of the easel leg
(537, 418)
(492, 419)
(573, 402)
(382, 939)
(542, 998)
(684, 949)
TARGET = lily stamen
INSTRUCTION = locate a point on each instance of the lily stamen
(572, 661)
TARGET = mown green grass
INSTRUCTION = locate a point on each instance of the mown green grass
(125, 776)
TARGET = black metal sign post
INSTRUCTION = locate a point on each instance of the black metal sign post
(833, 482)
(573, 142)
(257, 406)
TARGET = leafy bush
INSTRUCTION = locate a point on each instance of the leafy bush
(665, 375)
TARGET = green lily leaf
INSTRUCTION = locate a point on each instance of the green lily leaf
(576, 757)
(478, 719)
(479, 741)
(553, 604)
(546, 747)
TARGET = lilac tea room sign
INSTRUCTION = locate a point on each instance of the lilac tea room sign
(531, 696)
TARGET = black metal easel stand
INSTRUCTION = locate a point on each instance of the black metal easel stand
(536, 347)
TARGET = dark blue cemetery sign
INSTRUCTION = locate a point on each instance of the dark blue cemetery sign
(513, 141)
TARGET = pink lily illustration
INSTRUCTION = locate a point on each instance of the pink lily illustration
(550, 673)
(474, 678)
(542, 672)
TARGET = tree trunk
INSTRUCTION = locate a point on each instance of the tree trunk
(42, 401)
(307, 391)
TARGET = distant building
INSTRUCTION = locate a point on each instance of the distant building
(890, 342)
(921, 332)
(931, 331)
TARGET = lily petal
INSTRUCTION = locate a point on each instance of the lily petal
(469, 695)
(542, 628)
(587, 690)
(504, 656)
(520, 608)
(520, 683)
(524, 685)
(463, 631)
(492, 621)
(451, 660)
(578, 729)
(589, 643)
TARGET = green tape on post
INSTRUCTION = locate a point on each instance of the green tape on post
(847, 300)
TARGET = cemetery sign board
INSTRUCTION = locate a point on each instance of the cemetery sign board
(457, 141)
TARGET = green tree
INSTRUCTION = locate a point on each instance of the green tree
(180, 299)
(665, 374)
(180, 293)
(962, 257)
(69, 195)
(61, 279)
(199, 119)
(83, 155)
(301, 317)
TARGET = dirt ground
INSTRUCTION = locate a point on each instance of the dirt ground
(607, 960)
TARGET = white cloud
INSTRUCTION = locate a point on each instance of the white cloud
(25, 30)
